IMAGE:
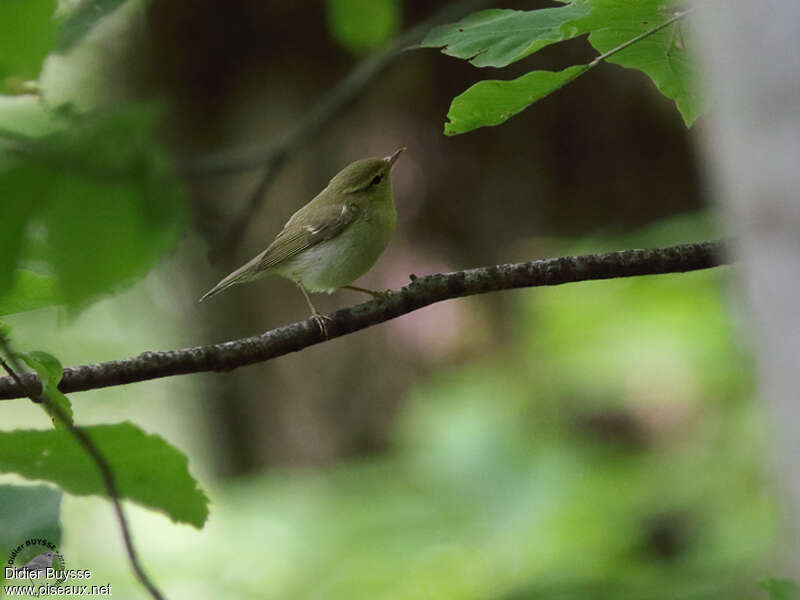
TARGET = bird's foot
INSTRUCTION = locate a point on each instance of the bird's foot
(321, 321)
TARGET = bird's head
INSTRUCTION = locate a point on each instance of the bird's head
(368, 175)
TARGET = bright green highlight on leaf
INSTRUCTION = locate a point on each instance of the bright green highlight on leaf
(781, 589)
(29, 291)
(498, 37)
(493, 102)
(50, 371)
(27, 32)
(148, 470)
(664, 56)
(95, 204)
(362, 25)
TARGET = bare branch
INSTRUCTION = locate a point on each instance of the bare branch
(422, 291)
(15, 374)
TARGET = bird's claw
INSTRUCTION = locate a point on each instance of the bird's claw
(320, 320)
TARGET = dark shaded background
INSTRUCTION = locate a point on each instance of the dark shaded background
(605, 155)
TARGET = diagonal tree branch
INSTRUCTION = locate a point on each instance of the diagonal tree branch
(422, 291)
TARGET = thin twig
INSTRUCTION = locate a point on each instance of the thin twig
(422, 291)
(272, 156)
(14, 370)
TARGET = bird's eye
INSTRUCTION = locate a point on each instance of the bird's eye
(377, 179)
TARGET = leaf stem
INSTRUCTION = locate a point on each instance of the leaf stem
(677, 17)
(106, 472)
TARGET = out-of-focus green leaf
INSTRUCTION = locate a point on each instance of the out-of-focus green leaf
(78, 24)
(28, 513)
(493, 102)
(498, 37)
(28, 292)
(90, 69)
(22, 191)
(362, 25)
(781, 589)
(46, 365)
(100, 201)
(27, 32)
(50, 371)
(664, 56)
(147, 469)
(25, 115)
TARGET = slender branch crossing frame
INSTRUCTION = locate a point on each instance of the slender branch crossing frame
(421, 292)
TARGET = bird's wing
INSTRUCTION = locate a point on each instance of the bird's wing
(300, 233)
(327, 223)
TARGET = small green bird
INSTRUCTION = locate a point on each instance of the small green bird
(334, 239)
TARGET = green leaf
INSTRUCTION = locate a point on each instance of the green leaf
(781, 589)
(498, 37)
(28, 513)
(100, 202)
(147, 469)
(29, 291)
(50, 371)
(46, 365)
(27, 32)
(16, 212)
(493, 102)
(664, 56)
(362, 25)
(81, 21)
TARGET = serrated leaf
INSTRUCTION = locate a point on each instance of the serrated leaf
(27, 32)
(362, 25)
(492, 102)
(81, 21)
(148, 470)
(664, 56)
(499, 37)
(49, 369)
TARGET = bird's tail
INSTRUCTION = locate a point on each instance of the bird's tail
(243, 274)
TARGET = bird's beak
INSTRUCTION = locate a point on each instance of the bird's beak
(393, 156)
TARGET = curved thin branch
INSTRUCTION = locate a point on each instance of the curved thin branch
(422, 291)
(15, 374)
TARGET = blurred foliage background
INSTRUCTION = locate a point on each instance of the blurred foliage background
(598, 440)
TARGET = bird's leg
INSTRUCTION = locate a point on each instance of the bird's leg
(318, 318)
(377, 295)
